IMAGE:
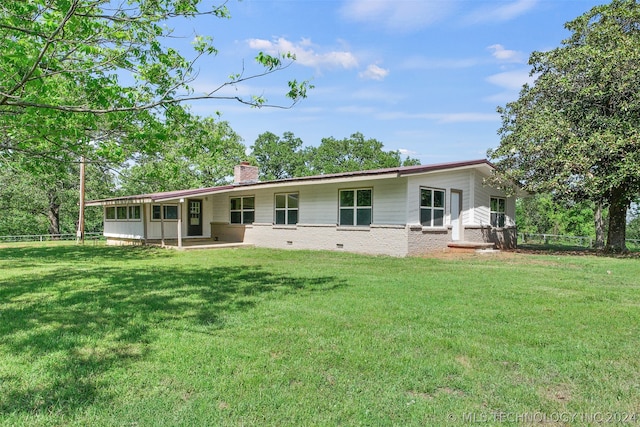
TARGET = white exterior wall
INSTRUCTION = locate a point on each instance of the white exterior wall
(441, 181)
(482, 207)
(133, 229)
(154, 227)
(318, 203)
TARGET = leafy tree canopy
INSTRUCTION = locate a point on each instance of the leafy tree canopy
(352, 154)
(279, 157)
(198, 152)
(575, 132)
(286, 157)
(73, 71)
(541, 214)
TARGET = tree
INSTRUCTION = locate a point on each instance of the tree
(541, 214)
(352, 154)
(48, 203)
(198, 152)
(73, 69)
(279, 158)
(575, 132)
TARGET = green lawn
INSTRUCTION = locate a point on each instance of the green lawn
(142, 337)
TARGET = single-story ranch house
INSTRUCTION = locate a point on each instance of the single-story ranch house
(400, 211)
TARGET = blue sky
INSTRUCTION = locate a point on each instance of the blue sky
(421, 76)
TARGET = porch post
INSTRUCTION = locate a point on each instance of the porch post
(180, 222)
(144, 222)
(162, 225)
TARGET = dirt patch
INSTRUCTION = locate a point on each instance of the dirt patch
(460, 255)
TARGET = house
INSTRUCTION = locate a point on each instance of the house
(400, 211)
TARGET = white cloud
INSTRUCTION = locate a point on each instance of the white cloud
(397, 15)
(407, 152)
(373, 72)
(505, 55)
(305, 53)
(501, 12)
(512, 80)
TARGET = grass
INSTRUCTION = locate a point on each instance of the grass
(129, 336)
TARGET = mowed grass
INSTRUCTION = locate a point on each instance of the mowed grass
(107, 336)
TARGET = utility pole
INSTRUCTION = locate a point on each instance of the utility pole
(80, 232)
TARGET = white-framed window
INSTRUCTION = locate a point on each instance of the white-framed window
(135, 212)
(498, 208)
(286, 208)
(356, 207)
(166, 212)
(122, 213)
(110, 213)
(243, 210)
(432, 207)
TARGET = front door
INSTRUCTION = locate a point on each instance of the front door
(194, 227)
(456, 201)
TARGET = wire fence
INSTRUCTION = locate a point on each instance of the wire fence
(562, 240)
(94, 237)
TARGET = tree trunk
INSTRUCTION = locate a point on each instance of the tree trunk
(599, 223)
(616, 235)
(53, 215)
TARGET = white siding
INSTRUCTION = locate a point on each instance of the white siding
(483, 194)
(319, 202)
(444, 181)
(482, 213)
(124, 229)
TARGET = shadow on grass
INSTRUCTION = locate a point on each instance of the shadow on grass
(21, 256)
(67, 328)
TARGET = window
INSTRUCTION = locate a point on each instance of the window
(498, 205)
(431, 207)
(122, 213)
(167, 212)
(110, 212)
(134, 212)
(170, 212)
(287, 208)
(356, 207)
(242, 210)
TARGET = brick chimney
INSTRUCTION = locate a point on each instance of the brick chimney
(244, 173)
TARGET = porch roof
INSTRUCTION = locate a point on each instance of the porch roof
(396, 172)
